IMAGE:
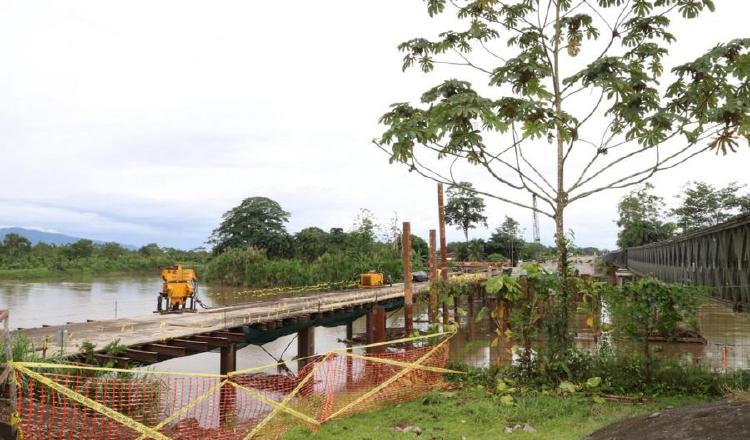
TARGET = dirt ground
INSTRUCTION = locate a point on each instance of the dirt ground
(724, 420)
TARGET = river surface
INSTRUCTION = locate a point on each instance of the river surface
(35, 303)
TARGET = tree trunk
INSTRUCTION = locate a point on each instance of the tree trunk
(561, 202)
(649, 363)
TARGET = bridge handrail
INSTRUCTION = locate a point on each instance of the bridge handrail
(717, 257)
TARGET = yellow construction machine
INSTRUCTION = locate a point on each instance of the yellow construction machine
(371, 279)
(179, 291)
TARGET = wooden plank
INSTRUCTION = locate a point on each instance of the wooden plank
(167, 350)
(190, 345)
(5, 374)
(119, 362)
(232, 336)
(213, 341)
(148, 357)
(155, 329)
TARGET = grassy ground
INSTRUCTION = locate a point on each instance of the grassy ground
(477, 414)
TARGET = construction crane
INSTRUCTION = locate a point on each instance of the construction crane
(537, 238)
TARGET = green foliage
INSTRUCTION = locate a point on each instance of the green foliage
(23, 350)
(536, 62)
(505, 287)
(642, 218)
(257, 222)
(649, 307)
(704, 205)
(473, 411)
(465, 208)
(251, 267)
(506, 240)
(318, 257)
(15, 246)
(83, 256)
(82, 248)
(310, 243)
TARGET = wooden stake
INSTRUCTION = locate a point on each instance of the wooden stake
(433, 278)
(443, 245)
(443, 248)
(408, 300)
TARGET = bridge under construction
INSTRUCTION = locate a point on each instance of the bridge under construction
(157, 337)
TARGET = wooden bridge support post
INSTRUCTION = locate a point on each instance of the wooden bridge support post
(612, 275)
(349, 360)
(305, 346)
(376, 327)
(408, 299)
(443, 247)
(443, 244)
(227, 394)
(433, 278)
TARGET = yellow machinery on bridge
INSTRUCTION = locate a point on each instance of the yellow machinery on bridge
(179, 291)
(371, 279)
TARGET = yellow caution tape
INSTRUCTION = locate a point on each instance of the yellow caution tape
(186, 407)
(275, 404)
(286, 399)
(403, 364)
(147, 432)
(342, 350)
(398, 341)
(15, 423)
(395, 377)
(112, 370)
(96, 406)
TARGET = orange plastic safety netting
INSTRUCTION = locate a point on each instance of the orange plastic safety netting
(68, 402)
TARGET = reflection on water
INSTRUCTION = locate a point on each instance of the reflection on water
(34, 303)
(727, 337)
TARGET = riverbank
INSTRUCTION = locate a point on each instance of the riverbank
(47, 273)
(477, 413)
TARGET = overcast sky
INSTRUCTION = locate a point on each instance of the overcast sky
(144, 121)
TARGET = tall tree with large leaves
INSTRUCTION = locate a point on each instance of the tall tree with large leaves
(581, 84)
(465, 209)
(642, 218)
(704, 205)
(257, 222)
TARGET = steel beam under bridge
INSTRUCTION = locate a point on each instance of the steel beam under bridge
(717, 257)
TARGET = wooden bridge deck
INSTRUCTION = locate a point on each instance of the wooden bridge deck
(155, 337)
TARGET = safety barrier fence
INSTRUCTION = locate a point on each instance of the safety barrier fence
(58, 401)
(274, 291)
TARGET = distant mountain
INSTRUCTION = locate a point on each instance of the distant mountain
(35, 236)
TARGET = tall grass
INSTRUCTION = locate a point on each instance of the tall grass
(250, 267)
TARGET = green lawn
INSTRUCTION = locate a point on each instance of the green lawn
(477, 414)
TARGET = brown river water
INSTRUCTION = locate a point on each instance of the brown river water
(34, 303)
